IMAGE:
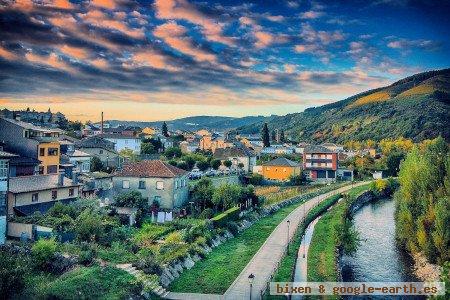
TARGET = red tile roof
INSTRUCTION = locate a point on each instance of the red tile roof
(150, 168)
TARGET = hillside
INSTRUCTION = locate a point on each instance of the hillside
(195, 123)
(415, 107)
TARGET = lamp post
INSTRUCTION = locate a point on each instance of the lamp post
(288, 223)
(251, 277)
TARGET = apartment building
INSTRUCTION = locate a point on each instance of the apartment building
(32, 141)
(4, 184)
(320, 163)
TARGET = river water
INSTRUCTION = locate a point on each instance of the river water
(377, 257)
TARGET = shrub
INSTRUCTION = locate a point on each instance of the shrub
(131, 199)
(89, 226)
(231, 214)
(233, 227)
(256, 179)
(43, 252)
(86, 257)
(207, 213)
(174, 238)
(296, 179)
(13, 269)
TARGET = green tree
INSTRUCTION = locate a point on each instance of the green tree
(43, 252)
(202, 193)
(393, 161)
(265, 135)
(148, 148)
(131, 199)
(215, 164)
(273, 135)
(164, 130)
(96, 164)
(227, 163)
(89, 226)
(13, 270)
(172, 152)
(183, 165)
(190, 162)
(226, 196)
(282, 137)
(202, 165)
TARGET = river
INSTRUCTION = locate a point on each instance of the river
(377, 257)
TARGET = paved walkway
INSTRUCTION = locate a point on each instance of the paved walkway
(265, 261)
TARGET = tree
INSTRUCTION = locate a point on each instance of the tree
(183, 165)
(43, 252)
(273, 135)
(13, 269)
(282, 137)
(296, 179)
(172, 152)
(393, 161)
(190, 162)
(89, 226)
(128, 153)
(202, 193)
(96, 164)
(227, 163)
(148, 148)
(164, 130)
(215, 164)
(131, 199)
(226, 196)
(202, 165)
(265, 135)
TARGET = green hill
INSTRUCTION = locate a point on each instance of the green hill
(416, 107)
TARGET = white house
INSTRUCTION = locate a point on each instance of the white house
(122, 142)
(237, 155)
(4, 176)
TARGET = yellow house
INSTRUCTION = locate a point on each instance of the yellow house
(280, 169)
(149, 131)
(49, 155)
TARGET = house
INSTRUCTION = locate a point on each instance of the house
(344, 174)
(333, 147)
(213, 142)
(90, 130)
(29, 194)
(280, 169)
(101, 148)
(156, 181)
(81, 161)
(320, 163)
(123, 142)
(32, 141)
(96, 184)
(277, 149)
(301, 147)
(149, 131)
(188, 147)
(23, 166)
(237, 155)
(4, 179)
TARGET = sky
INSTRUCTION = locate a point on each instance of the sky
(164, 59)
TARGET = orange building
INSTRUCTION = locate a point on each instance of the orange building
(207, 142)
(280, 169)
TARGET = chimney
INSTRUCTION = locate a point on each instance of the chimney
(102, 125)
(61, 179)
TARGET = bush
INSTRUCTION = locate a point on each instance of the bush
(207, 213)
(231, 214)
(296, 179)
(233, 227)
(256, 179)
(131, 199)
(13, 268)
(89, 226)
(86, 257)
(43, 252)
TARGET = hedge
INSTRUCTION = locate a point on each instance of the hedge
(222, 219)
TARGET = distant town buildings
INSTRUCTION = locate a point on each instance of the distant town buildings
(320, 163)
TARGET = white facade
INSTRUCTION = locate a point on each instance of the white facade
(4, 169)
(123, 143)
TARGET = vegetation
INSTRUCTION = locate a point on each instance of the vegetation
(332, 232)
(265, 135)
(417, 116)
(423, 201)
(231, 214)
(164, 130)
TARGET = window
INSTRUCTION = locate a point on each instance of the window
(52, 151)
(284, 169)
(184, 182)
(3, 168)
(71, 192)
(54, 195)
(142, 184)
(41, 151)
(125, 184)
(52, 169)
(100, 152)
(157, 199)
(176, 184)
(35, 197)
(159, 185)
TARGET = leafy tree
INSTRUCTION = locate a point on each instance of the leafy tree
(256, 179)
(202, 165)
(164, 130)
(148, 148)
(172, 152)
(240, 165)
(265, 135)
(273, 135)
(13, 270)
(190, 162)
(183, 165)
(96, 164)
(89, 226)
(296, 179)
(173, 162)
(215, 164)
(128, 153)
(43, 252)
(202, 193)
(131, 199)
(226, 196)
(227, 163)
(393, 161)
(282, 137)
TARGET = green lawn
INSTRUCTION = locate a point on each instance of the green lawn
(219, 269)
(322, 250)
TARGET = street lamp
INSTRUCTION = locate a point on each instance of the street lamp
(251, 277)
(288, 223)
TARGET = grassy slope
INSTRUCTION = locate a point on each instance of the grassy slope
(322, 250)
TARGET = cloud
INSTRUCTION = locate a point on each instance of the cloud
(75, 52)
(427, 45)
(109, 4)
(312, 14)
(8, 55)
(175, 36)
(263, 39)
(52, 60)
(181, 9)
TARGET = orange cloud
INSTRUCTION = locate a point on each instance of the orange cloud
(62, 4)
(75, 52)
(181, 9)
(51, 60)
(6, 54)
(109, 4)
(99, 63)
(149, 58)
(175, 36)
(263, 39)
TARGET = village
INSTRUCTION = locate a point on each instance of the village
(128, 190)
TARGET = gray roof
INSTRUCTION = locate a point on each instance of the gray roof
(317, 149)
(224, 153)
(117, 136)
(281, 161)
(34, 183)
(31, 126)
(95, 142)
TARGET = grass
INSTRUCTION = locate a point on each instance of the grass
(219, 269)
(285, 270)
(92, 283)
(371, 98)
(322, 250)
